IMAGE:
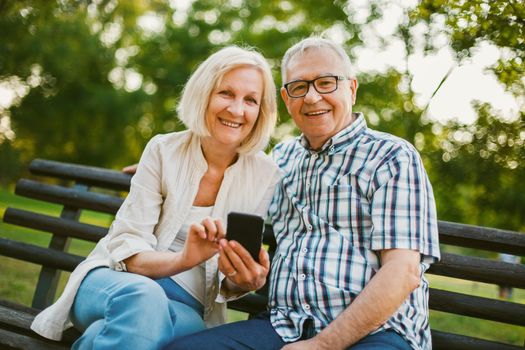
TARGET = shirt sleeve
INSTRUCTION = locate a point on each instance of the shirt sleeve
(403, 209)
(132, 230)
(225, 294)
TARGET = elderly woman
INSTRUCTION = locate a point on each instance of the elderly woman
(155, 276)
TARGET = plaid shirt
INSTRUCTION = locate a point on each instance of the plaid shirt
(335, 209)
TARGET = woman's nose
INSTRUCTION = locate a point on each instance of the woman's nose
(236, 108)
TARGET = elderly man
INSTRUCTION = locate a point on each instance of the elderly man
(355, 224)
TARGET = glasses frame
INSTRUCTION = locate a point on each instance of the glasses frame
(312, 83)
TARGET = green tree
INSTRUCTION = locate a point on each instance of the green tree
(479, 167)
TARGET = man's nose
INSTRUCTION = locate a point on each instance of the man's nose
(236, 108)
(312, 96)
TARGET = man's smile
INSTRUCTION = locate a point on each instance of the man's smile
(316, 113)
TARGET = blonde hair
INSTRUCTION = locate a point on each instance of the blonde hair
(316, 42)
(196, 95)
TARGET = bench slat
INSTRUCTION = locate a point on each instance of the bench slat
(92, 176)
(485, 238)
(13, 340)
(39, 255)
(58, 226)
(251, 304)
(479, 307)
(68, 196)
(479, 269)
(450, 341)
(18, 318)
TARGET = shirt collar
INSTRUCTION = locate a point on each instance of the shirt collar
(342, 139)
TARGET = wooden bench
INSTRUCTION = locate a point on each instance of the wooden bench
(100, 190)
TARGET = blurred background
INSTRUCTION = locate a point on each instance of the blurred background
(91, 82)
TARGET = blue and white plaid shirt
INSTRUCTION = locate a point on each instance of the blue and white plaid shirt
(335, 209)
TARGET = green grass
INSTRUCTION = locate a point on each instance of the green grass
(18, 278)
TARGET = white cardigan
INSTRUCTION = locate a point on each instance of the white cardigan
(161, 194)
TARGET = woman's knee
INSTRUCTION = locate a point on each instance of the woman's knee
(142, 292)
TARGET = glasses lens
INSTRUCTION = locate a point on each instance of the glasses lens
(325, 84)
(297, 89)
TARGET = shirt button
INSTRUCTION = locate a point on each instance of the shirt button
(306, 307)
(309, 227)
(304, 250)
(308, 185)
(315, 155)
(302, 277)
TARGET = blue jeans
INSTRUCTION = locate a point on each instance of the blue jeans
(120, 310)
(258, 333)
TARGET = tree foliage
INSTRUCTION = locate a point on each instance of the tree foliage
(95, 80)
(481, 165)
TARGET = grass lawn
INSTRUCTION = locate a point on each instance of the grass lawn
(18, 278)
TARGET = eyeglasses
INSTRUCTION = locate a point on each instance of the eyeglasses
(323, 85)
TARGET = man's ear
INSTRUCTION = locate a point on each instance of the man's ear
(353, 86)
(285, 97)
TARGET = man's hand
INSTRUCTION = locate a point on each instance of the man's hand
(130, 169)
(239, 267)
(202, 242)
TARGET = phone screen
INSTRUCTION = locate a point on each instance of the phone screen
(247, 229)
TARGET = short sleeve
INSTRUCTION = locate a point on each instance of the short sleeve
(403, 208)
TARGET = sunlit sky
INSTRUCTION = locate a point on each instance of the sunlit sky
(465, 83)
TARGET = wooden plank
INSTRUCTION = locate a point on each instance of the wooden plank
(449, 341)
(39, 255)
(18, 318)
(58, 226)
(15, 318)
(479, 307)
(479, 269)
(92, 176)
(479, 237)
(13, 340)
(68, 196)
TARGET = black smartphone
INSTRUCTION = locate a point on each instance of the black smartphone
(247, 229)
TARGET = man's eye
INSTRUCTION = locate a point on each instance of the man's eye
(325, 83)
(298, 87)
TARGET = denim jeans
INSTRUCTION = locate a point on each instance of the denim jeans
(120, 310)
(258, 333)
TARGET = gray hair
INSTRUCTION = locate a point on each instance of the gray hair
(317, 43)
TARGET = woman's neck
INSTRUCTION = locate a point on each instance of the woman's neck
(218, 156)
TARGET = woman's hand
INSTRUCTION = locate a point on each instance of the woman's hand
(202, 241)
(239, 267)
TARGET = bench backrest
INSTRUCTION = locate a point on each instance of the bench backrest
(78, 195)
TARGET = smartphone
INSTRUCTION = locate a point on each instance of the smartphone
(247, 229)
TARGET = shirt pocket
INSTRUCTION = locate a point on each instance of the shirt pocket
(347, 212)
